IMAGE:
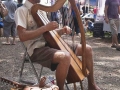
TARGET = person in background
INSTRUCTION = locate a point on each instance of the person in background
(95, 10)
(3, 13)
(54, 15)
(77, 29)
(19, 3)
(65, 14)
(59, 18)
(89, 24)
(112, 11)
(86, 9)
(9, 22)
(83, 11)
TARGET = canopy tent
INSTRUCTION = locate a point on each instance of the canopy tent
(101, 5)
(90, 2)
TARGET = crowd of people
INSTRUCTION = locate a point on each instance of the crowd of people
(9, 26)
(66, 17)
(20, 21)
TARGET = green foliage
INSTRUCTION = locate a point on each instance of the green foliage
(89, 34)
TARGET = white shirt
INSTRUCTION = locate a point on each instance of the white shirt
(24, 18)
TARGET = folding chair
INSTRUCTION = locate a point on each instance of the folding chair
(27, 59)
(38, 76)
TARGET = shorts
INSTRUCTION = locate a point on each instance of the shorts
(114, 26)
(9, 29)
(95, 16)
(44, 56)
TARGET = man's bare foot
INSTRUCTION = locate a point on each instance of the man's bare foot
(42, 82)
(45, 82)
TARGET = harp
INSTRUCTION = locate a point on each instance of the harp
(77, 71)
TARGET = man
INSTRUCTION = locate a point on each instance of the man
(41, 53)
(111, 11)
(9, 23)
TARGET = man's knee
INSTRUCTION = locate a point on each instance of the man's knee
(88, 49)
(65, 58)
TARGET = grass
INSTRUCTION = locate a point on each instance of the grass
(89, 34)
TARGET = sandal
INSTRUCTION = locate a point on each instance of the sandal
(13, 43)
(5, 43)
(113, 46)
(118, 48)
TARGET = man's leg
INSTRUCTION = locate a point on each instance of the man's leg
(7, 40)
(89, 64)
(63, 60)
(115, 40)
(14, 41)
(47, 56)
(114, 25)
(13, 32)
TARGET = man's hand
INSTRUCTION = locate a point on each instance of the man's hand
(106, 20)
(51, 26)
(67, 30)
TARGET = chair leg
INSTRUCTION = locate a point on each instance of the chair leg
(67, 86)
(75, 88)
(41, 72)
(81, 84)
(21, 71)
(35, 72)
(33, 68)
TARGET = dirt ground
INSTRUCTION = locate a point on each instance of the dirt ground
(106, 64)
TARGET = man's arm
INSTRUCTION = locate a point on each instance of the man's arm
(25, 34)
(105, 11)
(119, 9)
(64, 30)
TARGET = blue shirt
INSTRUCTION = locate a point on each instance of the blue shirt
(11, 6)
(73, 12)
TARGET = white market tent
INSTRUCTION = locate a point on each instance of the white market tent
(101, 5)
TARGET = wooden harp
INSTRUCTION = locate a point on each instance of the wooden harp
(77, 70)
